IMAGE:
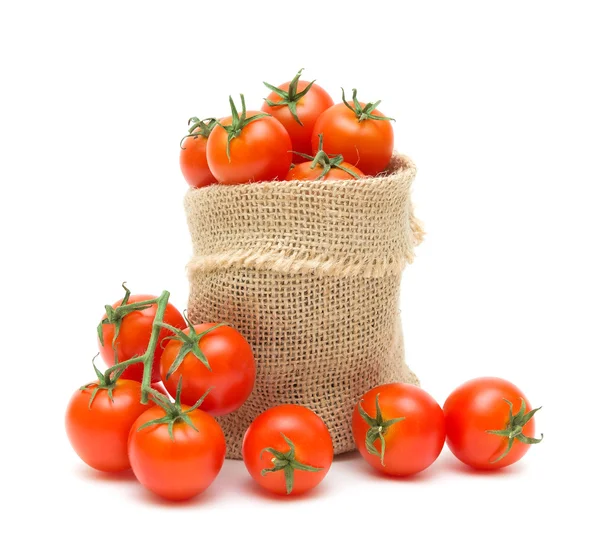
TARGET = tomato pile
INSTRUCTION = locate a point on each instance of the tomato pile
(126, 418)
(299, 134)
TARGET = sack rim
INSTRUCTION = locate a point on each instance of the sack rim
(405, 166)
(264, 255)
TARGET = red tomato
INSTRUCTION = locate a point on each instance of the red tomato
(98, 431)
(358, 132)
(134, 336)
(304, 171)
(176, 459)
(248, 147)
(287, 450)
(192, 156)
(229, 375)
(400, 429)
(297, 104)
(489, 423)
(322, 167)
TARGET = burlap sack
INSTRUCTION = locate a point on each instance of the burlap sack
(309, 272)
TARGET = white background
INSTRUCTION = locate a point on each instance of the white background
(497, 103)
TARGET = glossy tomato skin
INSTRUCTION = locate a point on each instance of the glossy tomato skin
(134, 337)
(412, 444)
(308, 108)
(303, 171)
(193, 163)
(476, 406)
(368, 144)
(99, 433)
(261, 152)
(181, 468)
(312, 442)
(230, 379)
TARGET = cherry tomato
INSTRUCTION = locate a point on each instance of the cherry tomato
(248, 147)
(297, 104)
(358, 132)
(228, 370)
(192, 156)
(322, 167)
(303, 171)
(180, 457)
(134, 335)
(489, 423)
(98, 428)
(398, 429)
(287, 450)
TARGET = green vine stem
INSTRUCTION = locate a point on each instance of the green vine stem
(173, 411)
(190, 343)
(114, 316)
(113, 373)
(326, 162)
(104, 383)
(290, 97)
(366, 112)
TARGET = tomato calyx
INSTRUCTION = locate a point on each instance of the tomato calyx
(190, 343)
(326, 162)
(291, 97)
(114, 316)
(514, 428)
(366, 112)
(286, 462)
(199, 128)
(238, 122)
(105, 382)
(173, 410)
(378, 427)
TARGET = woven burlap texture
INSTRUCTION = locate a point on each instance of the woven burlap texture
(309, 272)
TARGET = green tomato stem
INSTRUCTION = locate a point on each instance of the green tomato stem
(161, 302)
(113, 373)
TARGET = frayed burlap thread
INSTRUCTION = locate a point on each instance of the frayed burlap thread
(309, 272)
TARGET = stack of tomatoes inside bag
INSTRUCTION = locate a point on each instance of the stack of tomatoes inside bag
(153, 410)
(298, 135)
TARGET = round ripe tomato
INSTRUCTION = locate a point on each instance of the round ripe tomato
(98, 431)
(180, 462)
(248, 147)
(192, 156)
(230, 360)
(398, 429)
(297, 104)
(489, 423)
(303, 171)
(322, 167)
(134, 336)
(358, 132)
(287, 450)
